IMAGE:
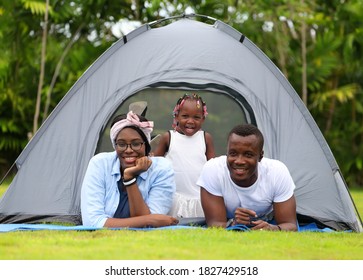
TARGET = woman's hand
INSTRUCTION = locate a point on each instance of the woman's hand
(159, 220)
(142, 164)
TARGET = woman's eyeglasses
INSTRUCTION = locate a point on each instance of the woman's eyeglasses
(135, 146)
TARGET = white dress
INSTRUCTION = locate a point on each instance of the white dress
(187, 154)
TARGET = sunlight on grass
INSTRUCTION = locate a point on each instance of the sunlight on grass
(190, 244)
(198, 244)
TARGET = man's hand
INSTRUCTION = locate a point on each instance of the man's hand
(245, 216)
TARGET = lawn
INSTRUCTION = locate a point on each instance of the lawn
(190, 244)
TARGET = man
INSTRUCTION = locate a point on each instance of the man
(243, 187)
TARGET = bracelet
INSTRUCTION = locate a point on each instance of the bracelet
(279, 228)
(129, 182)
(229, 223)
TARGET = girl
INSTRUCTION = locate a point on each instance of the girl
(188, 147)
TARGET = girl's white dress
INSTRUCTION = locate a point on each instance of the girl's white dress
(187, 154)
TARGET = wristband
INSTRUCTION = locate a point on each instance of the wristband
(129, 182)
(279, 227)
(229, 223)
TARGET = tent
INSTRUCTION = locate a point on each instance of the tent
(157, 63)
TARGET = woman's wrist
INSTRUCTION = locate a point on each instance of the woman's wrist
(127, 177)
(129, 182)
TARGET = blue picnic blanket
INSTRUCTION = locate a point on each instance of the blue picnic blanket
(308, 227)
(34, 227)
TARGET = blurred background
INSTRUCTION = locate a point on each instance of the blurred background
(46, 46)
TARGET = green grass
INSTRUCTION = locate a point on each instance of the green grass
(192, 244)
(198, 244)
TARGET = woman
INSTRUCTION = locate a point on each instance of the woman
(126, 188)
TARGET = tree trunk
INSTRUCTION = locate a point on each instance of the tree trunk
(281, 47)
(42, 65)
(57, 70)
(304, 89)
(333, 101)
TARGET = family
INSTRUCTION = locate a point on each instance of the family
(134, 186)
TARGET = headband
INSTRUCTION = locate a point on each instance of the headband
(131, 120)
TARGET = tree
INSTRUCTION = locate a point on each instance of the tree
(338, 104)
(316, 44)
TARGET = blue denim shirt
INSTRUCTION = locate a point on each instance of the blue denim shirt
(100, 195)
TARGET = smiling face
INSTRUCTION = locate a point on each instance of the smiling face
(128, 157)
(243, 155)
(190, 118)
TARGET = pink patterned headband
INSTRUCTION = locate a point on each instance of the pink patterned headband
(131, 120)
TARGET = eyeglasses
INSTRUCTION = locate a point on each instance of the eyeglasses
(135, 146)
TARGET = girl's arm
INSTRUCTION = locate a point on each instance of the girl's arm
(163, 146)
(210, 153)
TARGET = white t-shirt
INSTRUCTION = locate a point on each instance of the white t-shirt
(274, 184)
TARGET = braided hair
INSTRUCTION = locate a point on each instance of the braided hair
(180, 103)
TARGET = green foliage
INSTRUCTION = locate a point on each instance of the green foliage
(79, 31)
(322, 59)
(36, 7)
(342, 95)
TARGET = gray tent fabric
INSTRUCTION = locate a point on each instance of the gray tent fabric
(185, 54)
